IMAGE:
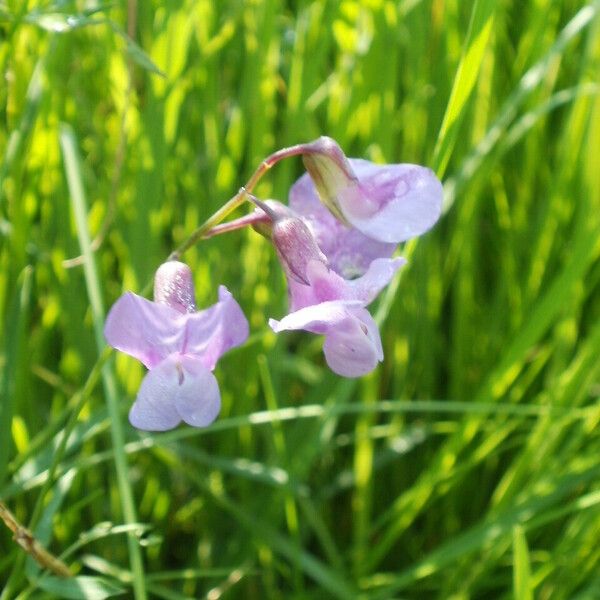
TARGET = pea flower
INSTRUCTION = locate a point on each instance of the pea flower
(179, 345)
(357, 213)
(335, 307)
(388, 203)
(323, 302)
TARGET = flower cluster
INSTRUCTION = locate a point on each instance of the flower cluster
(335, 242)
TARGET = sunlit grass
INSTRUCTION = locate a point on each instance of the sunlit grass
(467, 465)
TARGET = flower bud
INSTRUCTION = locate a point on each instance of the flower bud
(174, 286)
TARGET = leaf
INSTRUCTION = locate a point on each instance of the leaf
(480, 26)
(83, 587)
(521, 566)
(140, 57)
(136, 53)
(11, 371)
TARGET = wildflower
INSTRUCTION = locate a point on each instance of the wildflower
(335, 307)
(178, 345)
(323, 302)
(388, 203)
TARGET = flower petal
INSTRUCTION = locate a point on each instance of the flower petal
(353, 347)
(408, 201)
(352, 344)
(380, 272)
(179, 388)
(198, 399)
(145, 330)
(154, 408)
(212, 332)
(326, 285)
(318, 318)
(174, 286)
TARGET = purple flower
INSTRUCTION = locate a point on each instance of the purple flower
(387, 203)
(352, 344)
(335, 307)
(323, 302)
(178, 345)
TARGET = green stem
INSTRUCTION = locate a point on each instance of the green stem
(74, 179)
(225, 210)
(238, 199)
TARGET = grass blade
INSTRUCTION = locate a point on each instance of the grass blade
(522, 585)
(75, 182)
(480, 26)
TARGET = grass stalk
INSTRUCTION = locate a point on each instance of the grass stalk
(76, 189)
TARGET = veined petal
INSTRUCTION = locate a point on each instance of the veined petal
(352, 343)
(408, 200)
(318, 318)
(325, 284)
(300, 295)
(174, 286)
(353, 347)
(198, 399)
(145, 330)
(390, 204)
(212, 332)
(179, 388)
(154, 408)
(380, 272)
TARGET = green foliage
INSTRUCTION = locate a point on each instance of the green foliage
(467, 465)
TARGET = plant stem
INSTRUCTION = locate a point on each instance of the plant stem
(210, 224)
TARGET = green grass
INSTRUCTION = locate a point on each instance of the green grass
(466, 465)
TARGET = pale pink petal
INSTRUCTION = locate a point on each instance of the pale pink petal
(352, 344)
(328, 285)
(349, 252)
(179, 388)
(174, 286)
(197, 398)
(154, 408)
(391, 204)
(145, 330)
(319, 318)
(212, 332)
(379, 274)
(407, 200)
(300, 295)
(353, 347)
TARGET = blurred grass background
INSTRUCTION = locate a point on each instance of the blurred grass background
(468, 464)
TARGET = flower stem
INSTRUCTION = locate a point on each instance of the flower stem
(254, 218)
(209, 227)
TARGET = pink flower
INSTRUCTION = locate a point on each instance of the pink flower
(388, 203)
(323, 302)
(335, 307)
(178, 345)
